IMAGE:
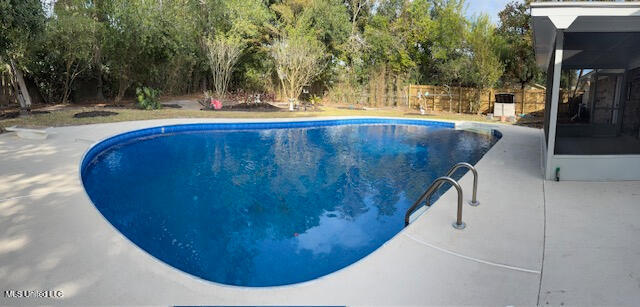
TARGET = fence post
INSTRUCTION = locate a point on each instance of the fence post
(524, 97)
(459, 99)
(470, 110)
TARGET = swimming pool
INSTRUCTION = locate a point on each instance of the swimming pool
(267, 204)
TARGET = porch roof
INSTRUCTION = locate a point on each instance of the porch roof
(604, 17)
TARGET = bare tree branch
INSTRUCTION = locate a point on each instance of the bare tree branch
(223, 53)
(297, 62)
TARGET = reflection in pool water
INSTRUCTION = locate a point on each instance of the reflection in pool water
(271, 207)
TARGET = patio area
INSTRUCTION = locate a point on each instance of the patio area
(529, 242)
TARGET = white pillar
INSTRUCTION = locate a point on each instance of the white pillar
(555, 99)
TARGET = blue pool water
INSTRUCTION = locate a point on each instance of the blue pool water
(272, 204)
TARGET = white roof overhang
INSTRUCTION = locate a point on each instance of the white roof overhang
(549, 17)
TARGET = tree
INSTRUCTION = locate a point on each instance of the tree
(223, 55)
(454, 71)
(398, 37)
(355, 44)
(518, 55)
(449, 46)
(298, 60)
(322, 21)
(418, 28)
(99, 15)
(71, 36)
(388, 45)
(239, 23)
(138, 43)
(21, 21)
(181, 46)
(450, 27)
(486, 68)
(329, 21)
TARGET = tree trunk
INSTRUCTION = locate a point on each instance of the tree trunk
(100, 86)
(16, 91)
(22, 93)
(524, 95)
(67, 84)
(459, 98)
(204, 86)
(123, 85)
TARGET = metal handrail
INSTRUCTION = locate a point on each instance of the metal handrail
(458, 224)
(474, 201)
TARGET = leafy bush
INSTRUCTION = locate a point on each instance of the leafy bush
(148, 98)
(314, 101)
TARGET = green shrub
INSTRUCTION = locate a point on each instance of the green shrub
(148, 98)
(315, 100)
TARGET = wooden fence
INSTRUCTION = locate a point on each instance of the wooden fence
(437, 98)
(460, 99)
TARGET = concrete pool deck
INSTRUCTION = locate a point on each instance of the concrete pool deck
(529, 242)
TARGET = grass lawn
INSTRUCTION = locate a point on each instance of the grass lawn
(64, 117)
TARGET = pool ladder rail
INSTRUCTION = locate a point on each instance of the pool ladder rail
(426, 196)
